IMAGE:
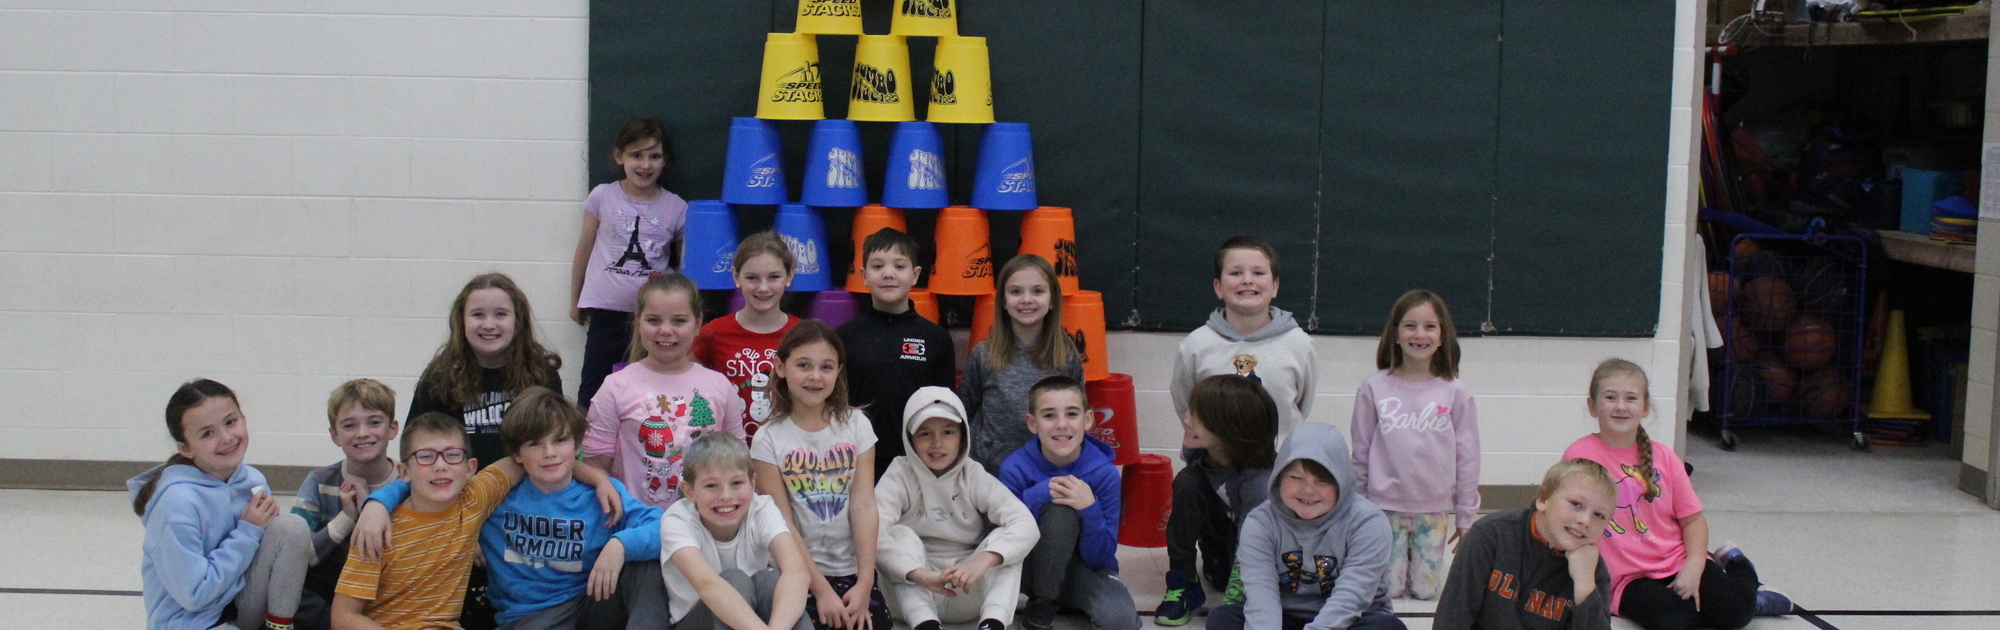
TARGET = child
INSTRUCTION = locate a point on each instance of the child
(1416, 442)
(744, 346)
(1661, 578)
(490, 356)
(628, 226)
(553, 557)
(955, 537)
(1029, 346)
(1537, 568)
(1066, 480)
(1229, 429)
(891, 350)
(728, 560)
(646, 413)
(214, 538)
(361, 418)
(1248, 336)
(1315, 555)
(818, 459)
(421, 581)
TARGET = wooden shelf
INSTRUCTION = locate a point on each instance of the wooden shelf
(1957, 28)
(1921, 250)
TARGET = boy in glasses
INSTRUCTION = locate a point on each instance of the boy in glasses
(420, 581)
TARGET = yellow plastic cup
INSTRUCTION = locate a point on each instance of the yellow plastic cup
(961, 82)
(880, 91)
(830, 17)
(925, 18)
(790, 86)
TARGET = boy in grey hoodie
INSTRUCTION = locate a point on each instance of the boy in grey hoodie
(1249, 337)
(1313, 557)
(952, 536)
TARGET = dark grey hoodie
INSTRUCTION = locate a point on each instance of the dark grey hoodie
(1331, 568)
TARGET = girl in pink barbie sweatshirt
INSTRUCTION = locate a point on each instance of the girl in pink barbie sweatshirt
(1416, 442)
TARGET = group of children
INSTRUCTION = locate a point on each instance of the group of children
(994, 488)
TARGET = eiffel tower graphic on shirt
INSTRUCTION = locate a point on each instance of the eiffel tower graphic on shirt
(632, 250)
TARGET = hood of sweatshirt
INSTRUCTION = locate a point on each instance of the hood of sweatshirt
(238, 487)
(1281, 323)
(933, 402)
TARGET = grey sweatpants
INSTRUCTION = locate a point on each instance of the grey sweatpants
(640, 602)
(277, 573)
(759, 590)
(1055, 570)
(993, 597)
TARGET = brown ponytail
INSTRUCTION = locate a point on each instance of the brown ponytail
(190, 395)
(1645, 472)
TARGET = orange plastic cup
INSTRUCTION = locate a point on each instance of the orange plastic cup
(1083, 319)
(925, 304)
(1050, 232)
(964, 253)
(982, 319)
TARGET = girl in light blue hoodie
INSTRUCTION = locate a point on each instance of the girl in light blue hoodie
(217, 554)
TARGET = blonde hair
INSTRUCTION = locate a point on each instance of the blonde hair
(367, 392)
(1052, 349)
(1576, 470)
(711, 450)
(1614, 367)
(1444, 364)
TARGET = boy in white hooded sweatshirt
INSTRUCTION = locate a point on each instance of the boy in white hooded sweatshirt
(952, 536)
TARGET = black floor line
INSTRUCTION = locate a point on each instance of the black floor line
(1812, 618)
(67, 591)
(1907, 613)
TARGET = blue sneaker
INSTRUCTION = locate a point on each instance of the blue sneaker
(1731, 558)
(1773, 604)
(1183, 598)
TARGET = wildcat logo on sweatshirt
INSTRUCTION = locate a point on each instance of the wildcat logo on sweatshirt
(820, 482)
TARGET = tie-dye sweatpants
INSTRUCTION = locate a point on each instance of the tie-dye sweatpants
(1417, 553)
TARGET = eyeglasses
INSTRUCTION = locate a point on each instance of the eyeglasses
(426, 457)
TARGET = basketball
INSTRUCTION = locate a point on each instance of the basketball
(1768, 303)
(1825, 394)
(1746, 390)
(1743, 250)
(1743, 343)
(1780, 381)
(1810, 342)
(1718, 291)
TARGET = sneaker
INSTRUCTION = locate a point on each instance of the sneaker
(1731, 558)
(1773, 604)
(990, 623)
(1183, 597)
(934, 625)
(1040, 615)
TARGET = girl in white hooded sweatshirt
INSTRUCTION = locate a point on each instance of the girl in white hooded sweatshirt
(952, 536)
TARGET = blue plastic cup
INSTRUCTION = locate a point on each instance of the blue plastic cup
(833, 176)
(804, 231)
(915, 175)
(754, 172)
(834, 307)
(709, 253)
(1005, 178)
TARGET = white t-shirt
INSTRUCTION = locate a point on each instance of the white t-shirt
(749, 551)
(818, 469)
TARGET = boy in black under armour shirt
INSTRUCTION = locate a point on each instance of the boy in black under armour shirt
(892, 351)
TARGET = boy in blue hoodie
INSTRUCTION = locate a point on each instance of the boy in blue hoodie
(554, 558)
(1066, 479)
(1316, 556)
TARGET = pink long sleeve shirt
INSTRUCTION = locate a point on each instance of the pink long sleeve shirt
(1416, 445)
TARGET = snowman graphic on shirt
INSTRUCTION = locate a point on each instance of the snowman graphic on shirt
(760, 399)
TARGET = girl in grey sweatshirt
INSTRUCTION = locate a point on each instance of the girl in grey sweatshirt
(1313, 557)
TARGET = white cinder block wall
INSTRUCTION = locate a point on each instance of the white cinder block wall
(283, 197)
